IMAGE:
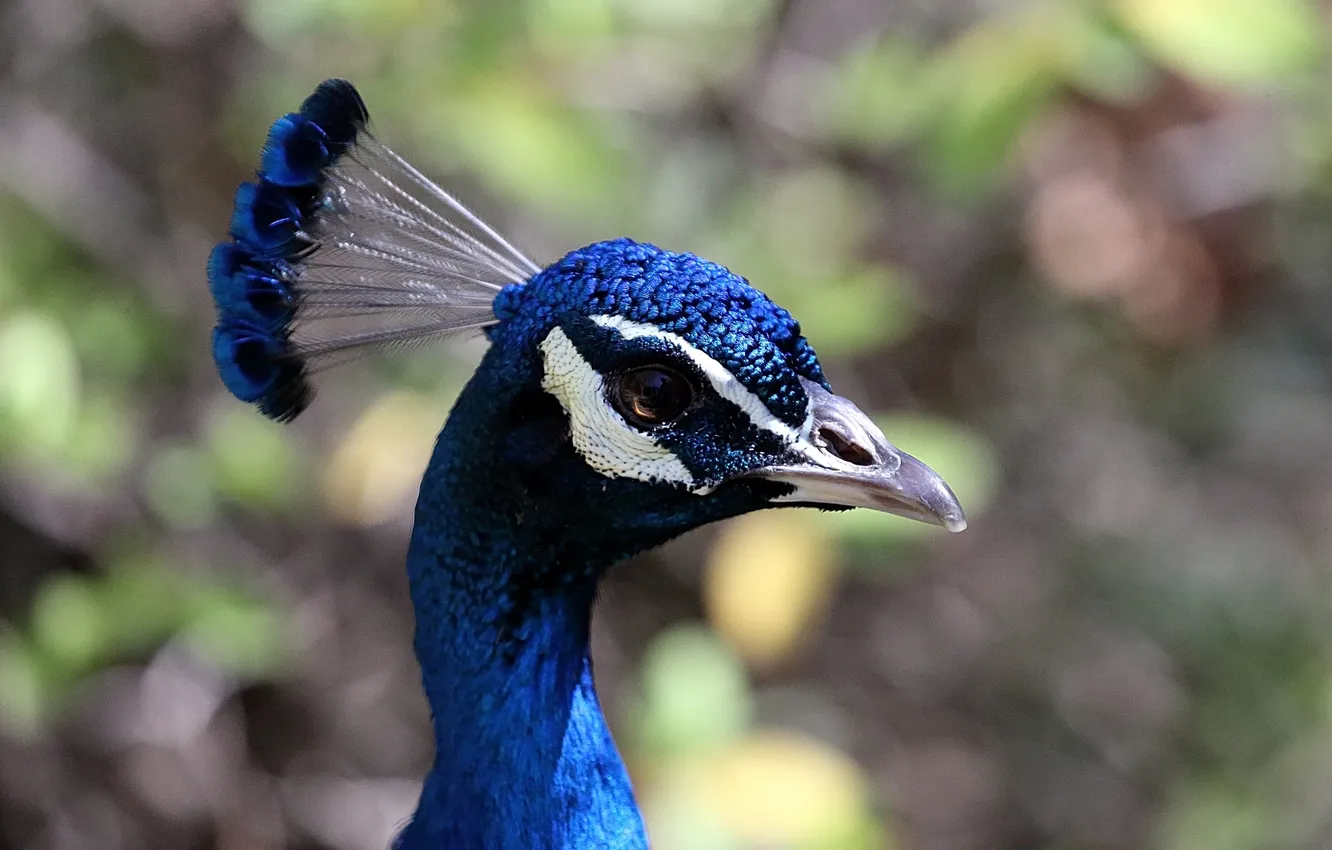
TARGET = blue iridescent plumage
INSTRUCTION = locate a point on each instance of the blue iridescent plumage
(251, 277)
(628, 394)
(254, 365)
(302, 144)
(707, 304)
(250, 288)
(319, 235)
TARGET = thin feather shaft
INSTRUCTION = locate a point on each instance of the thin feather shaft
(444, 197)
(363, 202)
(457, 239)
(372, 274)
(319, 348)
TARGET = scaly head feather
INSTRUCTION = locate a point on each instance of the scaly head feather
(629, 394)
(341, 246)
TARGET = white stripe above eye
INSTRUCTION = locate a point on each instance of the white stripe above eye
(726, 384)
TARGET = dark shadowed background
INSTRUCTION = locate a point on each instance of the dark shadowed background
(1074, 254)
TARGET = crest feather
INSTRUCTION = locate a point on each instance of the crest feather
(340, 247)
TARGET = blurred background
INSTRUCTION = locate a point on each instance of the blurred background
(1073, 253)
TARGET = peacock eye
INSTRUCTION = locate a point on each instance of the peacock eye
(652, 395)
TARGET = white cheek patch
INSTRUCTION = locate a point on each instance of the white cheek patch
(616, 449)
(600, 435)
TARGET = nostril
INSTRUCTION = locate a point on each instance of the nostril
(845, 449)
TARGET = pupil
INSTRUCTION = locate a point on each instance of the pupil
(654, 396)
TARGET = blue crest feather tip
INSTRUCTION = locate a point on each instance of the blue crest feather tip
(337, 108)
(302, 144)
(296, 152)
(629, 394)
(256, 367)
(246, 287)
(269, 218)
(339, 226)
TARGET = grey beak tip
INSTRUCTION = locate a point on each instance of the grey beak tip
(954, 523)
(894, 482)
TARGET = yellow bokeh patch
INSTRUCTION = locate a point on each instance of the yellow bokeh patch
(768, 579)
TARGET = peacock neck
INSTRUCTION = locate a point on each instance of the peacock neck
(523, 755)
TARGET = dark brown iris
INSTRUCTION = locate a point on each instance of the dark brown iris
(652, 395)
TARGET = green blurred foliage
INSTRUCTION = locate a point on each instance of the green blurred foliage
(1230, 42)
(694, 693)
(80, 624)
(682, 121)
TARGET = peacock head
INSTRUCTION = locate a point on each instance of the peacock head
(633, 386)
(682, 382)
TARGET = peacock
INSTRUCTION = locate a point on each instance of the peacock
(628, 394)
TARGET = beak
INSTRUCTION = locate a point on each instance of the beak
(848, 462)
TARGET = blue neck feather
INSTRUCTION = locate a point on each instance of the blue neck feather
(503, 601)
(512, 535)
(513, 529)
